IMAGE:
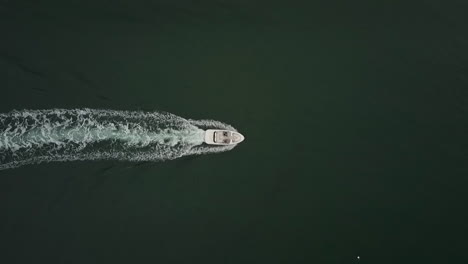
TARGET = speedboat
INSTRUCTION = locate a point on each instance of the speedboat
(222, 137)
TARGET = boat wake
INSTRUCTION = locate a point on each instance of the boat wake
(35, 136)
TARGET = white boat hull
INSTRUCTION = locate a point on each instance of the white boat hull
(223, 137)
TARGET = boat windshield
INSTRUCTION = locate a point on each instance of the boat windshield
(222, 137)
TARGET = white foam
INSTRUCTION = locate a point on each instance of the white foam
(34, 136)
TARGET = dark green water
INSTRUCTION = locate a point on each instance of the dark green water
(355, 117)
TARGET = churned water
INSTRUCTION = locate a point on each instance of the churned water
(34, 136)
